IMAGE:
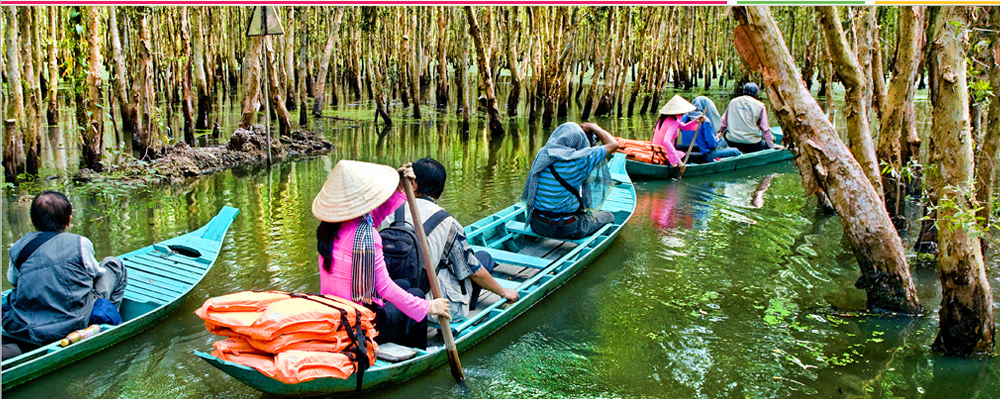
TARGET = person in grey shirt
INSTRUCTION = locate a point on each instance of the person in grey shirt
(57, 282)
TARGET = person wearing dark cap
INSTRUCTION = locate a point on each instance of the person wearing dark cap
(745, 124)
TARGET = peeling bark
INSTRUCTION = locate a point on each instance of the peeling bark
(856, 107)
(827, 166)
(966, 315)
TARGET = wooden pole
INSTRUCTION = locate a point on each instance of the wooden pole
(425, 253)
(267, 75)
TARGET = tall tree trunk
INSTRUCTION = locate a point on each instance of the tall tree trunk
(826, 165)
(288, 60)
(120, 78)
(277, 93)
(442, 53)
(988, 156)
(319, 88)
(515, 74)
(13, 134)
(878, 76)
(92, 121)
(32, 100)
(187, 95)
(485, 80)
(199, 75)
(898, 106)
(146, 124)
(251, 82)
(52, 112)
(414, 64)
(966, 315)
(377, 84)
(851, 74)
(303, 80)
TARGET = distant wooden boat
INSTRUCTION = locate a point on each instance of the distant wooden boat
(160, 276)
(533, 265)
(646, 171)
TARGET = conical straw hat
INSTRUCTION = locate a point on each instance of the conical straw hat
(352, 189)
(677, 105)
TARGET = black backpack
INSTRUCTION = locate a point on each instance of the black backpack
(399, 245)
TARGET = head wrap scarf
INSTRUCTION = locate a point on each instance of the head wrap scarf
(568, 143)
(706, 107)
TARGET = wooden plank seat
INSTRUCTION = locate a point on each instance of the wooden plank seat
(512, 258)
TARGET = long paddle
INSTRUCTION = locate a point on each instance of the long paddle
(687, 154)
(449, 339)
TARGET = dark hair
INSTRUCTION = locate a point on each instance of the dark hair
(663, 117)
(325, 234)
(751, 89)
(430, 177)
(50, 211)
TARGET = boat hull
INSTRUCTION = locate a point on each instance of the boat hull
(493, 229)
(650, 172)
(142, 306)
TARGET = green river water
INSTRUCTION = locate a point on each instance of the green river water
(727, 286)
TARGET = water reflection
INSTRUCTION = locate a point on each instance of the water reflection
(727, 286)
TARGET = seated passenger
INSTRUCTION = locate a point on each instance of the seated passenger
(667, 127)
(58, 285)
(745, 123)
(356, 197)
(569, 176)
(708, 146)
(461, 272)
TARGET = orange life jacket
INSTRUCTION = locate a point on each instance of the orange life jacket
(292, 337)
(643, 151)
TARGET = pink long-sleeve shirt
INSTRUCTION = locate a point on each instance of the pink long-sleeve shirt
(666, 134)
(338, 281)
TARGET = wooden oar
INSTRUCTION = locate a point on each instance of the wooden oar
(687, 155)
(449, 339)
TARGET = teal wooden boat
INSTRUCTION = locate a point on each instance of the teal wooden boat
(645, 171)
(160, 276)
(533, 265)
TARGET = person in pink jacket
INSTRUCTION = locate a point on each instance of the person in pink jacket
(355, 199)
(669, 125)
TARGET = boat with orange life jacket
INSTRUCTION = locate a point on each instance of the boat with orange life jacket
(532, 265)
(646, 161)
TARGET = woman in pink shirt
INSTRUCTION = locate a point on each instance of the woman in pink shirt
(669, 125)
(355, 199)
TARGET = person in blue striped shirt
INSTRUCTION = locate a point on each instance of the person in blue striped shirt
(569, 176)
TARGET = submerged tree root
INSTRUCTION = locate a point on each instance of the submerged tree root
(246, 147)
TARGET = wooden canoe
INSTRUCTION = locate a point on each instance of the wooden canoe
(533, 265)
(645, 171)
(160, 276)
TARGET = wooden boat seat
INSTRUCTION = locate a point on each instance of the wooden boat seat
(512, 258)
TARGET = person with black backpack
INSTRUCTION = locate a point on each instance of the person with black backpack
(461, 273)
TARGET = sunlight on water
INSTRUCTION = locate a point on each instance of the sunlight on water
(728, 286)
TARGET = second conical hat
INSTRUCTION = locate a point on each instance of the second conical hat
(352, 189)
(677, 105)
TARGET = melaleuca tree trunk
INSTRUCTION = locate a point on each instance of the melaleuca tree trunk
(486, 87)
(857, 96)
(898, 107)
(966, 315)
(827, 166)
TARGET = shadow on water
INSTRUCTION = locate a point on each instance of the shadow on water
(727, 286)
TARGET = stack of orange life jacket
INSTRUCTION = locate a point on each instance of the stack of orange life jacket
(643, 151)
(292, 337)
